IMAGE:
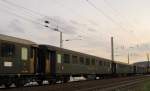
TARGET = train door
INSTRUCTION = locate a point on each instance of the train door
(113, 68)
(41, 60)
(53, 62)
(134, 69)
(34, 59)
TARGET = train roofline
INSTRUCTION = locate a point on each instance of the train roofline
(16, 40)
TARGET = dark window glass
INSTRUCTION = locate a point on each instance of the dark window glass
(93, 62)
(81, 60)
(74, 59)
(7, 50)
(100, 63)
(66, 58)
(32, 52)
(87, 61)
(106, 63)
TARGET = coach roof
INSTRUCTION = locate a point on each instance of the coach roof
(16, 40)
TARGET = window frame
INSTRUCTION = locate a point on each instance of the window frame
(74, 59)
(25, 52)
(93, 61)
(59, 58)
(100, 62)
(87, 61)
(68, 59)
(6, 48)
(81, 60)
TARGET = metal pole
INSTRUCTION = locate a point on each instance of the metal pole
(61, 41)
(112, 49)
(113, 66)
(148, 63)
(128, 58)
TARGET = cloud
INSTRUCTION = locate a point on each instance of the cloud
(93, 22)
(76, 23)
(60, 23)
(16, 26)
(92, 29)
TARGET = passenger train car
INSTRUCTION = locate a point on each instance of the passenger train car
(18, 58)
(23, 61)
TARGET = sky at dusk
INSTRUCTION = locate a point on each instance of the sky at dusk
(92, 21)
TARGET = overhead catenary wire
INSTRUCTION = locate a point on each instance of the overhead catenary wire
(34, 13)
(22, 13)
(42, 15)
(125, 17)
(27, 19)
(121, 16)
(107, 16)
(30, 12)
(26, 9)
(111, 19)
(13, 9)
(46, 24)
(117, 12)
(16, 9)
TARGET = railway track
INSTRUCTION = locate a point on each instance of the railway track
(112, 86)
(94, 85)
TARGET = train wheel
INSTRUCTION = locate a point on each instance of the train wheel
(19, 83)
(40, 82)
(7, 85)
(51, 82)
(66, 79)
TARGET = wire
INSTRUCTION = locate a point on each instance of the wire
(29, 20)
(14, 10)
(29, 11)
(48, 26)
(111, 19)
(107, 16)
(118, 14)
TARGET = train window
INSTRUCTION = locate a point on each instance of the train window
(107, 64)
(74, 59)
(58, 58)
(81, 60)
(24, 53)
(93, 61)
(31, 52)
(7, 50)
(87, 61)
(104, 63)
(100, 63)
(66, 58)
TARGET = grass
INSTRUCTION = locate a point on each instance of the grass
(146, 86)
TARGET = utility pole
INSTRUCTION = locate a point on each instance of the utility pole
(148, 63)
(113, 66)
(128, 58)
(112, 49)
(55, 29)
(61, 40)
